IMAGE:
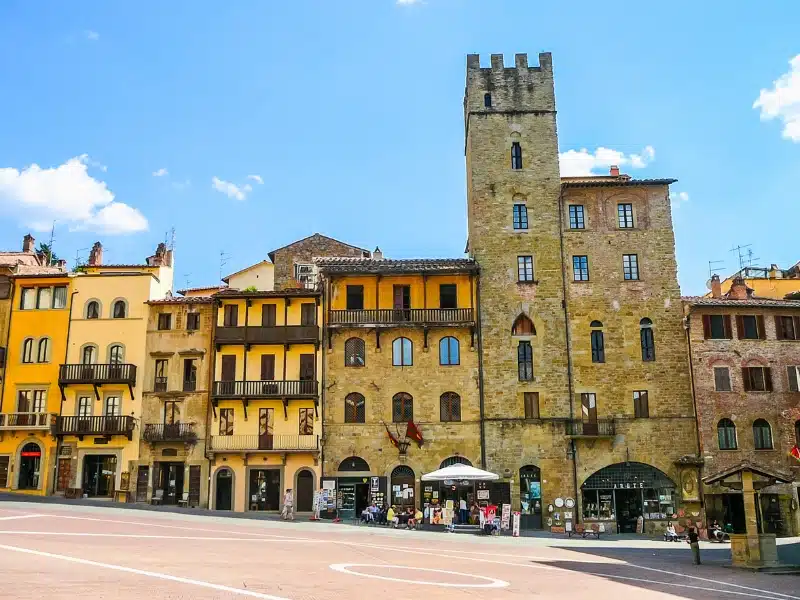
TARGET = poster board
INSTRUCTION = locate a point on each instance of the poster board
(505, 518)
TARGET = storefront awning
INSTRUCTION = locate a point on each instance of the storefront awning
(460, 472)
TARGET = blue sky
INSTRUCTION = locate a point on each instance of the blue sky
(248, 124)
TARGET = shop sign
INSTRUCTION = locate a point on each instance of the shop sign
(329, 484)
(505, 517)
(629, 486)
(32, 453)
(515, 524)
(483, 494)
(374, 484)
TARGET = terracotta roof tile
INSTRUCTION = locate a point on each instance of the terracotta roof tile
(754, 301)
(386, 265)
(607, 182)
(182, 300)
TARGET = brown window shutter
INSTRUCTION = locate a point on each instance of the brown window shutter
(746, 379)
(267, 367)
(762, 332)
(796, 321)
(728, 330)
(739, 327)
(778, 328)
(790, 372)
(768, 379)
(706, 326)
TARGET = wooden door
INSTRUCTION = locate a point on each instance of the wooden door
(63, 475)
(267, 367)
(228, 376)
(402, 297)
(304, 494)
(141, 483)
(194, 485)
(307, 369)
(589, 413)
(266, 424)
(308, 314)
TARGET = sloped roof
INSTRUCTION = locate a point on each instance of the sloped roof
(386, 265)
(200, 289)
(746, 465)
(258, 264)
(12, 259)
(755, 301)
(605, 181)
(314, 235)
(292, 293)
(183, 300)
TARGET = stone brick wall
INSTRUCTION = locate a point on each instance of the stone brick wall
(302, 252)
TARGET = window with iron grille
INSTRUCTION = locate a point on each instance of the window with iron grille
(722, 379)
(226, 421)
(762, 435)
(354, 353)
(726, 434)
(355, 408)
(648, 343)
(625, 214)
(630, 267)
(576, 220)
(525, 268)
(402, 408)
(520, 216)
(757, 379)
(525, 361)
(531, 402)
(641, 406)
(450, 407)
(192, 321)
(4, 460)
(516, 156)
(580, 268)
(598, 346)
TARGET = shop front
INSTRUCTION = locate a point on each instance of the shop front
(168, 478)
(530, 497)
(355, 487)
(99, 475)
(629, 498)
(264, 489)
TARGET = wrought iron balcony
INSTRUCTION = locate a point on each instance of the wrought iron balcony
(265, 389)
(160, 384)
(282, 334)
(590, 429)
(403, 317)
(26, 420)
(81, 426)
(264, 443)
(174, 432)
(97, 374)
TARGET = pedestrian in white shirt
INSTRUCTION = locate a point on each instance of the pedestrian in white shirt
(287, 514)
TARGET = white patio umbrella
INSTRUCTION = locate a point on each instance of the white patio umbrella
(460, 472)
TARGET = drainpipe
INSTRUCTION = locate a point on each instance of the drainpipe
(480, 370)
(687, 326)
(325, 333)
(5, 342)
(212, 368)
(59, 441)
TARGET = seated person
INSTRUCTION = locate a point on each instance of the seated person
(418, 517)
(411, 520)
(366, 516)
(670, 535)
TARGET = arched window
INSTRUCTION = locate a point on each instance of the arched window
(30, 463)
(525, 361)
(726, 434)
(523, 326)
(516, 156)
(762, 435)
(27, 350)
(402, 352)
(354, 408)
(450, 407)
(455, 460)
(598, 343)
(648, 344)
(120, 309)
(448, 351)
(354, 463)
(402, 408)
(89, 354)
(354, 351)
(43, 351)
(116, 354)
(93, 309)
(403, 488)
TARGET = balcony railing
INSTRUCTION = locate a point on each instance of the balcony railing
(26, 420)
(265, 389)
(411, 316)
(590, 429)
(97, 373)
(282, 334)
(160, 384)
(81, 426)
(174, 432)
(190, 385)
(264, 443)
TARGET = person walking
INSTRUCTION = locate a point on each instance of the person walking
(287, 514)
(694, 542)
(463, 512)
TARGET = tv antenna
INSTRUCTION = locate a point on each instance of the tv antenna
(50, 245)
(714, 266)
(169, 239)
(743, 256)
(78, 261)
(223, 260)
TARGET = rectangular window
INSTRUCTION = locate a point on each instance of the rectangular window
(717, 327)
(230, 315)
(448, 295)
(520, 216)
(24, 401)
(226, 421)
(308, 314)
(516, 156)
(172, 413)
(787, 328)
(267, 367)
(625, 215)
(306, 419)
(757, 379)
(27, 299)
(306, 276)
(192, 321)
(113, 406)
(160, 381)
(355, 297)
(85, 406)
(580, 268)
(525, 268)
(269, 315)
(4, 460)
(750, 327)
(630, 267)
(641, 408)
(189, 374)
(60, 296)
(722, 379)
(39, 401)
(164, 321)
(576, 216)
(43, 298)
(598, 346)
(525, 361)
(794, 378)
(531, 400)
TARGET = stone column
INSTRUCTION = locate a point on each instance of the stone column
(751, 518)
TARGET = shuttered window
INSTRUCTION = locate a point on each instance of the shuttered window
(757, 379)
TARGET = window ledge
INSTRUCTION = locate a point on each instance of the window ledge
(531, 282)
(765, 449)
(581, 281)
(728, 450)
(632, 280)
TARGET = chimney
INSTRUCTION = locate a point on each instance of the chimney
(96, 255)
(377, 254)
(614, 171)
(738, 289)
(27, 243)
(716, 287)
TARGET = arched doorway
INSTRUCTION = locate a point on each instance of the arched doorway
(223, 497)
(455, 460)
(354, 463)
(530, 497)
(30, 463)
(402, 482)
(627, 491)
(304, 494)
(353, 487)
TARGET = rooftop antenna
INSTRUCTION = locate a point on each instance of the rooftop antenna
(750, 259)
(188, 281)
(169, 239)
(712, 269)
(50, 245)
(78, 260)
(738, 250)
(223, 260)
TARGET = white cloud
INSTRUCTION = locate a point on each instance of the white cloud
(256, 178)
(161, 172)
(231, 190)
(580, 163)
(783, 101)
(92, 36)
(65, 193)
(678, 198)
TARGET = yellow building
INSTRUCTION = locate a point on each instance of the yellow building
(772, 282)
(265, 428)
(37, 337)
(101, 378)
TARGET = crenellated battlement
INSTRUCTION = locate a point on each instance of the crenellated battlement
(520, 62)
(499, 89)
